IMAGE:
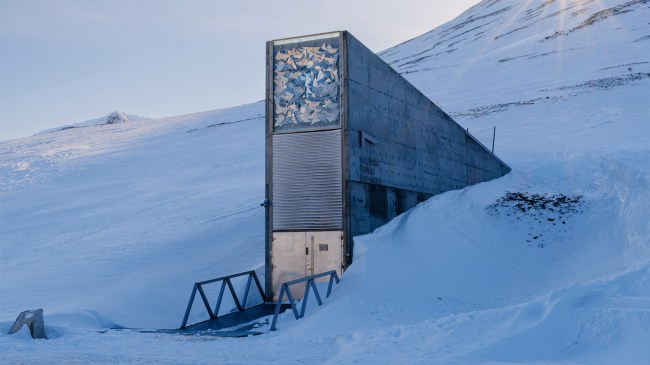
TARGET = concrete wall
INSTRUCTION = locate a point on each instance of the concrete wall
(419, 151)
(397, 149)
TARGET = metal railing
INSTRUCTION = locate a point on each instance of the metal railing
(225, 281)
(310, 285)
(485, 136)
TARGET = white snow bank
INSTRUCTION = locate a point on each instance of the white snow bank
(119, 221)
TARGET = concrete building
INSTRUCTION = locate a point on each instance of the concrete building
(350, 144)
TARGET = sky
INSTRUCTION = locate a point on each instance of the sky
(67, 61)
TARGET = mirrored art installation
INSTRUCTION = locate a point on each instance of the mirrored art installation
(306, 86)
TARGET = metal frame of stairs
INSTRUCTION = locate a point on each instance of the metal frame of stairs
(244, 314)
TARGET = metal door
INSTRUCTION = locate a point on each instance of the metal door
(324, 252)
(288, 261)
(299, 254)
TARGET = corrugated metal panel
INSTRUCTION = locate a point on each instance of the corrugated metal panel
(307, 185)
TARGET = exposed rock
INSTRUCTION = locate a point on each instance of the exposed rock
(548, 213)
(115, 118)
(33, 319)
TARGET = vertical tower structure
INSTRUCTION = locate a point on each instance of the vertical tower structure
(350, 144)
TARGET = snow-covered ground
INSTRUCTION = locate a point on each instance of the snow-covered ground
(111, 225)
(111, 118)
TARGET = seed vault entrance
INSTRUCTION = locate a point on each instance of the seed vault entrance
(304, 160)
(350, 144)
(300, 254)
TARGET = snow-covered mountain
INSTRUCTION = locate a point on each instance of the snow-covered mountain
(115, 117)
(527, 52)
(550, 264)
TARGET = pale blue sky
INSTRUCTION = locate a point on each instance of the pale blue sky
(66, 61)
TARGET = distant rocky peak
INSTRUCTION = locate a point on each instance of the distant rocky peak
(116, 118)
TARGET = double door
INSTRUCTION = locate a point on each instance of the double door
(295, 255)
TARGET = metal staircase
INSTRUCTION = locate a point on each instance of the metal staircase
(244, 320)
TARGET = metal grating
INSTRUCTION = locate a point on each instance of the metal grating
(307, 182)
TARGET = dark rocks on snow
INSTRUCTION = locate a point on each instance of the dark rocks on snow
(116, 118)
(540, 211)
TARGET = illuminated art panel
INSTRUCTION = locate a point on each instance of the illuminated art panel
(306, 85)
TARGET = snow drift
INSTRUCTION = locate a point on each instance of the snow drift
(112, 225)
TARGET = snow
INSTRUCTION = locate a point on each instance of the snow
(111, 118)
(110, 225)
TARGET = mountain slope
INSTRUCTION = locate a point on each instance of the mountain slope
(134, 204)
(527, 53)
(111, 118)
(102, 228)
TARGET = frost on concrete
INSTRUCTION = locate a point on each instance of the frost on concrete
(306, 85)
